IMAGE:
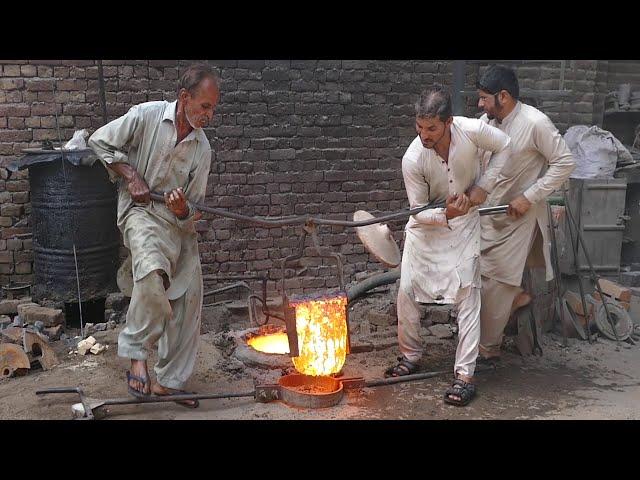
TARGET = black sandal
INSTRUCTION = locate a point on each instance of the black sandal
(404, 367)
(465, 390)
(490, 361)
(143, 380)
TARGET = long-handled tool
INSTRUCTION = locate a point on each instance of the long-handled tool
(91, 407)
(556, 265)
(275, 222)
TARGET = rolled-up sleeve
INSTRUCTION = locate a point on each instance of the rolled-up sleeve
(551, 145)
(112, 141)
(497, 142)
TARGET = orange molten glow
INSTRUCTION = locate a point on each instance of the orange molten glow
(322, 335)
(272, 343)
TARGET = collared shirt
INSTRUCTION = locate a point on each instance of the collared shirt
(535, 145)
(441, 257)
(145, 138)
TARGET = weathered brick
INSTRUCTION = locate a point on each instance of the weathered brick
(39, 85)
(20, 197)
(44, 71)
(11, 70)
(15, 135)
(49, 316)
(9, 110)
(10, 306)
(23, 267)
(14, 244)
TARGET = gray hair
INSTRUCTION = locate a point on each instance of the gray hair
(191, 78)
(434, 102)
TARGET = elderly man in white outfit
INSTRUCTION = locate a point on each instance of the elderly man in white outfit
(440, 261)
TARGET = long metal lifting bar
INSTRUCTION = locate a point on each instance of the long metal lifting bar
(275, 222)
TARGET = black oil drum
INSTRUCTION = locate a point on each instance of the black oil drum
(73, 215)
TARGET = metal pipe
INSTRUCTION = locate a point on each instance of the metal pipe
(305, 219)
(228, 287)
(416, 376)
(374, 281)
(103, 98)
(556, 277)
(300, 219)
(175, 398)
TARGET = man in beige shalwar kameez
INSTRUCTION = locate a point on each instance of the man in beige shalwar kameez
(508, 240)
(440, 261)
(160, 146)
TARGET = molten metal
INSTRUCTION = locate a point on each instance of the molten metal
(322, 335)
(272, 343)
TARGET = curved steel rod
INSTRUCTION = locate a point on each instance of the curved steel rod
(274, 222)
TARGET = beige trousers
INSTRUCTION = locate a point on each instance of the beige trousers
(410, 342)
(173, 324)
(497, 299)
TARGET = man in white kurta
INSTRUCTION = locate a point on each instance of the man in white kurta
(509, 239)
(440, 261)
(160, 146)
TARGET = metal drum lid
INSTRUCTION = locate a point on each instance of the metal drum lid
(378, 240)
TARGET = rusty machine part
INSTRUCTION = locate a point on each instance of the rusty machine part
(38, 347)
(252, 300)
(13, 360)
(304, 391)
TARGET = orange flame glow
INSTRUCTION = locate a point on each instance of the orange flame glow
(322, 335)
(272, 343)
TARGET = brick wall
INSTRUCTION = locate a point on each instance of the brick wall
(289, 137)
(623, 71)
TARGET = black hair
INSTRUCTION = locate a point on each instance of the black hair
(434, 102)
(498, 78)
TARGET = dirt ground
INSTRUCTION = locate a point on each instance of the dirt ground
(580, 381)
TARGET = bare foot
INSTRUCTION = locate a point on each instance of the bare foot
(158, 389)
(521, 300)
(139, 369)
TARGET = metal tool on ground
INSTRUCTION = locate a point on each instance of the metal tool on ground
(556, 265)
(294, 390)
(594, 277)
